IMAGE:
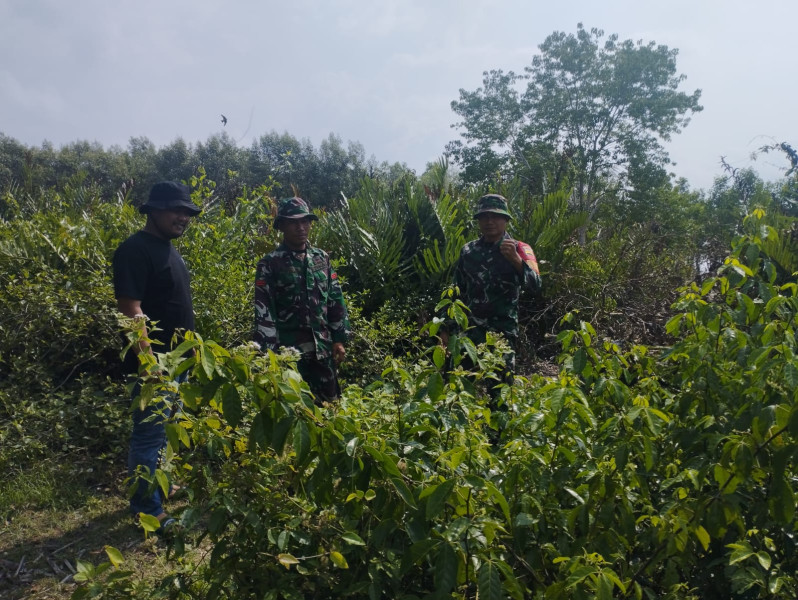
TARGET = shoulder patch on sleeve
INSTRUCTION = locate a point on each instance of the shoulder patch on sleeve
(528, 256)
(334, 275)
(260, 283)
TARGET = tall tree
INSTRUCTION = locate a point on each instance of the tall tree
(603, 109)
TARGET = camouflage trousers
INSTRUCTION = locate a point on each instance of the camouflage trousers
(321, 376)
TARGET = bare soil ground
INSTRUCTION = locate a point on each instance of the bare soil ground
(40, 547)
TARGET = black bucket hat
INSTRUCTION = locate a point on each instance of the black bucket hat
(169, 195)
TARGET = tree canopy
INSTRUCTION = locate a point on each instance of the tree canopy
(594, 113)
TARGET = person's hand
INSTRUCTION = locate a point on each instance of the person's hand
(339, 353)
(510, 252)
(444, 336)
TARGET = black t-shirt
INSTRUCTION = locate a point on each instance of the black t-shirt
(149, 269)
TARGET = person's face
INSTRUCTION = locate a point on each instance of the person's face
(169, 223)
(492, 226)
(295, 232)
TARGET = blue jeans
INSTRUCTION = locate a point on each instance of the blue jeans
(147, 442)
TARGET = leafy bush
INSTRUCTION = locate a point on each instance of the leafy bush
(631, 473)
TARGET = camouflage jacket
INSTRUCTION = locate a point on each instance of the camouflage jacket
(490, 285)
(299, 303)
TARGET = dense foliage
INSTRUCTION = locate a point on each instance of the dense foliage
(647, 448)
(628, 475)
(634, 472)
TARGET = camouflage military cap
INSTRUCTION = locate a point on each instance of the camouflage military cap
(492, 203)
(293, 208)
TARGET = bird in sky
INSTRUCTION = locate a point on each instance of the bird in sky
(224, 120)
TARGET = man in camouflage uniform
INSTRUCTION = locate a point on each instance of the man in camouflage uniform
(299, 303)
(491, 272)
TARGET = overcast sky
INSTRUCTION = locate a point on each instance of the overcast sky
(381, 72)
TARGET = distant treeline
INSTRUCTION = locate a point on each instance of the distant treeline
(320, 174)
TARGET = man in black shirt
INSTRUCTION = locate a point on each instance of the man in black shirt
(150, 278)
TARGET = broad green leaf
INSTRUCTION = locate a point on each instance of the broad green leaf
(208, 362)
(231, 405)
(495, 495)
(726, 482)
(338, 560)
(791, 376)
(579, 360)
(435, 387)
(702, 536)
(781, 500)
(85, 571)
(446, 567)
(489, 584)
(114, 555)
(384, 461)
(740, 552)
(350, 537)
(512, 585)
(404, 491)
(148, 522)
(301, 441)
(172, 435)
(351, 445)
(575, 494)
(604, 588)
(416, 552)
(437, 498)
(287, 560)
(163, 481)
(438, 357)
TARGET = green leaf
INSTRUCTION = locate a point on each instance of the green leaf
(764, 559)
(740, 552)
(781, 500)
(495, 495)
(446, 567)
(231, 405)
(416, 552)
(579, 361)
(148, 522)
(437, 498)
(163, 481)
(287, 560)
(172, 435)
(301, 441)
(791, 376)
(85, 571)
(404, 491)
(114, 555)
(512, 585)
(604, 588)
(435, 387)
(489, 584)
(438, 357)
(702, 536)
(208, 361)
(338, 560)
(350, 537)
(351, 445)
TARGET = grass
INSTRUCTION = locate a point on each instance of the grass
(60, 512)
